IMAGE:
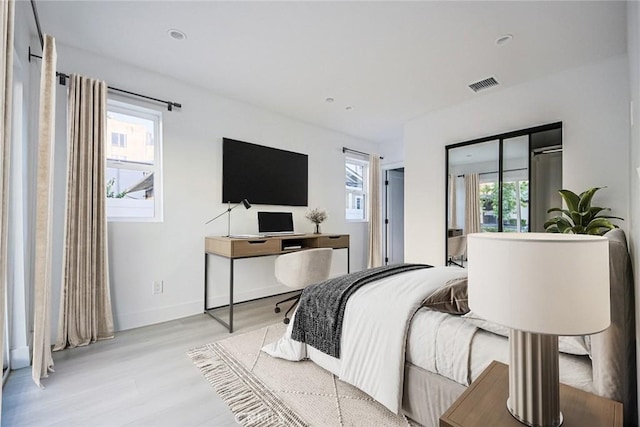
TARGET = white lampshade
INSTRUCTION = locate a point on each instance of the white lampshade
(542, 283)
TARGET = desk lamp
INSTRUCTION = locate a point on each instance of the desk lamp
(244, 202)
(540, 285)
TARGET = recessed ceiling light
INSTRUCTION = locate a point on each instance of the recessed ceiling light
(177, 34)
(502, 40)
(348, 108)
(329, 99)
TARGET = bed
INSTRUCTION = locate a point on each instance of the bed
(418, 360)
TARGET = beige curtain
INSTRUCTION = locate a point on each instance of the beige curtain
(453, 209)
(6, 106)
(471, 203)
(375, 213)
(85, 303)
(42, 362)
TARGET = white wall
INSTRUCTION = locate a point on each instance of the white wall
(172, 251)
(591, 101)
(393, 153)
(633, 48)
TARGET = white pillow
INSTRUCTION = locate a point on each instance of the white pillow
(577, 345)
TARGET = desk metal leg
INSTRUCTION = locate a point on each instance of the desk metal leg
(348, 259)
(206, 279)
(230, 295)
(209, 311)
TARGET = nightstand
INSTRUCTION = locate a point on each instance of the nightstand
(484, 403)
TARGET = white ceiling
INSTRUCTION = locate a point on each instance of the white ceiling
(391, 61)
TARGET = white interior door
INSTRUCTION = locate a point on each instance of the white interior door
(394, 221)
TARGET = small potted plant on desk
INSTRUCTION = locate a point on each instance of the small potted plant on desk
(316, 216)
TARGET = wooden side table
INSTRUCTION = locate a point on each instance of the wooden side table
(484, 404)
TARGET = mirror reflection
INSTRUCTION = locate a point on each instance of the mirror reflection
(504, 183)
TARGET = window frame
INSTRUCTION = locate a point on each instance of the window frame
(120, 107)
(365, 193)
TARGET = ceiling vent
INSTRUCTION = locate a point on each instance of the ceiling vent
(483, 84)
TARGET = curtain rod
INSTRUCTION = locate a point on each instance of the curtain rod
(63, 77)
(489, 173)
(345, 149)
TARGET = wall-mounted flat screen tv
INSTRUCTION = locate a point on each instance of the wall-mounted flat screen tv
(263, 175)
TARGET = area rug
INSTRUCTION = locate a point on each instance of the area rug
(265, 391)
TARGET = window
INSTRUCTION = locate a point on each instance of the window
(119, 140)
(134, 163)
(515, 206)
(357, 188)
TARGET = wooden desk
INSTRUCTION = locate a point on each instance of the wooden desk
(484, 403)
(239, 248)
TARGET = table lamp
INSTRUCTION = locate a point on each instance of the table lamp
(244, 202)
(540, 285)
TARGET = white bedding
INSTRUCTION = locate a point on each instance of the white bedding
(444, 344)
(376, 321)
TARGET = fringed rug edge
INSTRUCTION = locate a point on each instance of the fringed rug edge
(251, 402)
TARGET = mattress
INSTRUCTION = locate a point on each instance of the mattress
(485, 347)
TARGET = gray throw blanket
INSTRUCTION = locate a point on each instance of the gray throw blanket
(318, 319)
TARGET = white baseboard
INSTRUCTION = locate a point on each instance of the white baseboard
(164, 314)
(20, 357)
(159, 315)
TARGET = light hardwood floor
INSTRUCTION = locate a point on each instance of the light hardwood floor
(143, 377)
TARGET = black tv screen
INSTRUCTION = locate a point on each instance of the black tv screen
(263, 175)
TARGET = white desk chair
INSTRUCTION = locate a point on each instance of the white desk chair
(456, 250)
(300, 269)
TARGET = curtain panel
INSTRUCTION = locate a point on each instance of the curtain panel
(472, 203)
(451, 194)
(85, 304)
(375, 213)
(42, 361)
(6, 107)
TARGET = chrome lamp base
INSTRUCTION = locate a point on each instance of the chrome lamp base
(534, 384)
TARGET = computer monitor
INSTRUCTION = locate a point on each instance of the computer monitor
(275, 222)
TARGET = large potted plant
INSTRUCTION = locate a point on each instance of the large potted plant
(580, 217)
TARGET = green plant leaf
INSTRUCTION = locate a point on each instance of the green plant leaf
(579, 229)
(576, 218)
(552, 228)
(552, 221)
(593, 213)
(600, 223)
(582, 218)
(610, 217)
(564, 224)
(595, 210)
(585, 198)
(571, 199)
(564, 211)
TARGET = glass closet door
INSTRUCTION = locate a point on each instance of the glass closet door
(515, 185)
(505, 182)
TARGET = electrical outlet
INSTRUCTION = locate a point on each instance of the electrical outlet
(158, 287)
